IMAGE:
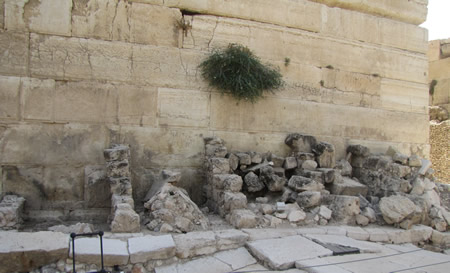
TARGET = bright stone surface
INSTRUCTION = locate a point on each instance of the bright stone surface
(268, 233)
(203, 265)
(282, 253)
(87, 250)
(230, 238)
(147, 248)
(195, 244)
(237, 258)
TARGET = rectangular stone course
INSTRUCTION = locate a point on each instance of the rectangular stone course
(13, 53)
(195, 244)
(143, 249)
(231, 238)
(87, 250)
(9, 97)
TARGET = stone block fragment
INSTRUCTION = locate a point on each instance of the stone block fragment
(277, 160)
(234, 201)
(234, 161)
(295, 216)
(256, 157)
(300, 143)
(143, 249)
(228, 182)
(230, 238)
(97, 191)
(242, 218)
(290, 163)
(253, 183)
(414, 161)
(11, 209)
(244, 158)
(328, 175)
(344, 167)
(396, 208)
(215, 150)
(77, 228)
(218, 165)
(325, 155)
(400, 158)
(301, 184)
(194, 244)
(345, 208)
(308, 199)
(125, 219)
(358, 150)
(309, 165)
(314, 175)
(325, 212)
(271, 180)
(348, 186)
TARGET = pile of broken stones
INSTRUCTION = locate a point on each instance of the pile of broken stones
(309, 187)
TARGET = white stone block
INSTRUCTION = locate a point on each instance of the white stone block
(146, 248)
(195, 244)
(87, 250)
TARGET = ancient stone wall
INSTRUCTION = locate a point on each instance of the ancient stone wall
(77, 76)
(439, 73)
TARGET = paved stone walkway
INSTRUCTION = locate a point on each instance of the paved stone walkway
(248, 250)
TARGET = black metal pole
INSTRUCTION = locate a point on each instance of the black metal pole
(100, 233)
(73, 235)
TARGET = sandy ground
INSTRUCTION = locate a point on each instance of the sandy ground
(440, 150)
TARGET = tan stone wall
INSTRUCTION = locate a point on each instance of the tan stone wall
(78, 75)
(439, 58)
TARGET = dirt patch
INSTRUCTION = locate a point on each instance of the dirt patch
(440, 150)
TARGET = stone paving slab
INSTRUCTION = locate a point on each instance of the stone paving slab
(364, 247)
(202, 265)
(230, 238)
(195, 244)
(319, 266)
(146, 248)
(87, 250)
(23, 251)
(236, 259)
(282, 253)
(269, 233)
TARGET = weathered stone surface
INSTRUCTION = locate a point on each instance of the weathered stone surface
(357, 233)
(11, 209)
(325, 155)
(77, 228)
(125, 219)
(146, 248)
(396, 208)
(358, 150)
(24, 251)
(400, 158)
(314, 175)
(348, 186)
(272, 181)
(172, 206)
(277, 254)
(234, 201)
(325, 212)
(328, 175)
(253, 183)
(300, 143)
(364, 247)
(97, 190)
(290, 162)
(345, 208)
(308, 199)
(216, 150)
(13, 48)
(301, 184)
(237, 258)
(230, 238)
(344, 167)
(46, 16)
(218, 165)
(228, 182)
(9, 97)
(400, 171)
(87, 250)
(277, 161)
(196, 266)
(309, 165)
(296, 216)
(242, 218)
(414, 161)
(195, 244)
(440, 238)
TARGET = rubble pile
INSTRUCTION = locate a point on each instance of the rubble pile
(310, 186)
(11, 208)
(123, 216)
(169, 208)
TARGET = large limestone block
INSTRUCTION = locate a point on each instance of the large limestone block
(26, 143)
(230, 238)
(24, 251)
(9, 97)
(202, 265)
(310, 49)
(14, 53)
(85, 102)
(348, 186)
(439, 70)
(125, 219)
(183, 107)
(404, 96)
(354, 25)
(345, 208)
(299, 14)
(350, 82)
(195, 244)
(176, 147)
(87, 250)
(288, 115)
(2, 12)
(413, 12)
(43, 16)
(149, 247)
(75, 58)
(441, 93)
(236, 258)
(125, 21)
(38, 102)
(281, 254)
(396, 208)
(137, 105)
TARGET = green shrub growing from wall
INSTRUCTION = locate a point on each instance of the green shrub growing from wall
(237, 71)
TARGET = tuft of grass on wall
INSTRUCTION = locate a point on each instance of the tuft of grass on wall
(237, 71)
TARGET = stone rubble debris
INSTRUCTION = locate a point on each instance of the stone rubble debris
(363, 188)
(123, 216)
(11, 210)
